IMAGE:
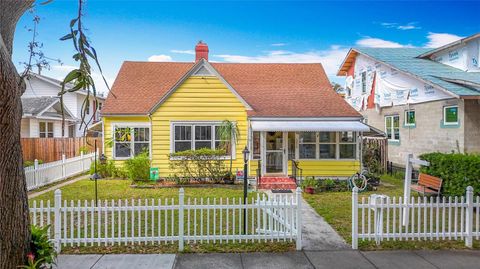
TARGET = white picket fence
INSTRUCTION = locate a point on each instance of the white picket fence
(153, 221)
(40, 175)
(422, 218)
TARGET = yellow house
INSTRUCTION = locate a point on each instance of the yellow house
(287, 114)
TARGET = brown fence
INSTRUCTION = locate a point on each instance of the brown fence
(381, 146)
(51, 149)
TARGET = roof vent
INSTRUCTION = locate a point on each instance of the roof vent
(201, 51)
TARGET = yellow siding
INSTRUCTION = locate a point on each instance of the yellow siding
(197, 99)
(108, 135)
(327, 168)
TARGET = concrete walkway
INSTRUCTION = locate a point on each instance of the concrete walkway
(34, 194)
(295, 260)
(317, 234)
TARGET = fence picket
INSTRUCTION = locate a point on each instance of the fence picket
(442, 218)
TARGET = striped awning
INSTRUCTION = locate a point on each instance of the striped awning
(310, 126)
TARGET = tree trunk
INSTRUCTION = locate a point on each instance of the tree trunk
(14, 215)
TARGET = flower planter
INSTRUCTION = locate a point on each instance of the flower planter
(310, 190)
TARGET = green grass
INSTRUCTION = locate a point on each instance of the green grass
(148, 220)
(121, 189)
(335, 208)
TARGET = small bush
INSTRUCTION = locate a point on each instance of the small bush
(43, 254)
(108, 170)
(371, 156)
(83, 149)
(458, 171)
(31, 163)
(199, 165)
(309, 182)
(138, 167)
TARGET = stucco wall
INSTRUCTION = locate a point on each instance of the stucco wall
(429, 134)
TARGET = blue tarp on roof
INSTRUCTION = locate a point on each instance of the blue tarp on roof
(405, 59)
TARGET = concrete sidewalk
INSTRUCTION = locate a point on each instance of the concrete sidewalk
(294, 260)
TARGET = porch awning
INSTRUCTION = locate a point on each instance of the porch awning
(310, 126)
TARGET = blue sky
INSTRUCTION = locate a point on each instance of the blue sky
(244, 31)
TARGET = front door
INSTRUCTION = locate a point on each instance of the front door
(274, 153)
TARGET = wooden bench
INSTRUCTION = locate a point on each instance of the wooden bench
(427, 185)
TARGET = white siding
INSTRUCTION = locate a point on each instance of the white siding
(464, 57)
(25, 128)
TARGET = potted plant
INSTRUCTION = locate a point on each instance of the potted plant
(309, 185)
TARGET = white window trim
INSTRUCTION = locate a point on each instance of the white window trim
(405, 123)
(131, 125)
(445, 115)
(363, 82)
(193, 124)
(393, 128)
(46, 129)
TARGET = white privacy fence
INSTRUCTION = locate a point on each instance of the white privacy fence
(156, 221)
(40, 175)
(426, 218)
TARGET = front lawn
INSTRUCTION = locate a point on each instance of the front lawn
(335, 208)
(120, 189)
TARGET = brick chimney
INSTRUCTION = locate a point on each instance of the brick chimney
(201, 51)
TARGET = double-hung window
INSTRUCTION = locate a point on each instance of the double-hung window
(410, 118)
(131, 141)
(45, 129)
(192, 136)
(348, 145)
(392, 127)
(450, 115)
(307, 144)
(328, 145)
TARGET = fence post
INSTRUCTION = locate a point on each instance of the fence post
(406, 187)
(298, 194)
(469, 217)
(57, 219)
(63, 166)
(181, 200)
(35, 173)
(355, 218)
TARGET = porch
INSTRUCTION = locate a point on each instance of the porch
(296, 149)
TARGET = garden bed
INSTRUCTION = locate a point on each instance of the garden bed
(193, 184)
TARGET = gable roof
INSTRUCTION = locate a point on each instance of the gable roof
(39, 106)
(431, 72)
(270, 89)
(448, 46)
(36, 105)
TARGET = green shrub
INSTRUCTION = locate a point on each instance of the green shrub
(458, 171)
(108, 170)
(31, 163)
(371, 156)
(83, 149)
(138, 167)
(43, 253)
(199, 165)
(309, 182)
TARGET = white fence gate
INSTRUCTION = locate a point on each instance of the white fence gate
(451, 218)
(149, 221)
(40, 175)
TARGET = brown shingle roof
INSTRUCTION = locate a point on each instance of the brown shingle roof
(272, 90)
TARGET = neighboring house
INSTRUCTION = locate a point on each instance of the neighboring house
(425, 100)
(283, 112)
(42, 116)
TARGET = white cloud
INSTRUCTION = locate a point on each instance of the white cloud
(160, 58)
(372, 42)
(436, 40)
(408, 26)
(330, 58)
(191, 52)
(278, 44)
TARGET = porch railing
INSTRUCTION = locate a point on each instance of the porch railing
(297, 172)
